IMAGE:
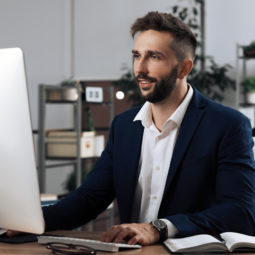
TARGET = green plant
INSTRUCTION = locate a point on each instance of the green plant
(251, 46)
(212, 81)
(249, 84)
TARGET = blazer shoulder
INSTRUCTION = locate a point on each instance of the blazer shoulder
(226, 113)
(218, 111)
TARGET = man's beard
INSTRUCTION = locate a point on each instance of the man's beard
(163, 88)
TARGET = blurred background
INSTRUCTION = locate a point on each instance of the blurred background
(65, 41)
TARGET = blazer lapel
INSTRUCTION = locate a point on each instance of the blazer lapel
(189, 125)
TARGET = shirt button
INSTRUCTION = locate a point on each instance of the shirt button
(155, 197)
(157, 168)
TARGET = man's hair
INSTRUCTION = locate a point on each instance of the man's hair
(184, 43)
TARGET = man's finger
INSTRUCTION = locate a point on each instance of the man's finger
(124, 234)
(136, 239)
(111, 234)
(11, 233)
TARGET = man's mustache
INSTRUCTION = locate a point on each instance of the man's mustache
(146, 77)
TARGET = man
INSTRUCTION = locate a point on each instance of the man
(181, 165)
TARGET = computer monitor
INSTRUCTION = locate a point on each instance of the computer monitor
(20, 207)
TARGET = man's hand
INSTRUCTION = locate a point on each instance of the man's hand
(141, 233)
(11, 233)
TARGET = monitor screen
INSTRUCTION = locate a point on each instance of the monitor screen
(20, 207)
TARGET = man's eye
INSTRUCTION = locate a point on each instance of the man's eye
(154, 57)
(136, 56)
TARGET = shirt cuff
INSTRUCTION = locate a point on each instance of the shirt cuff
(171, 229)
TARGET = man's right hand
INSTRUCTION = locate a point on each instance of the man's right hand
(11, 233)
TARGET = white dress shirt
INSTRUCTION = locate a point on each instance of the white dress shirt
(156, 154)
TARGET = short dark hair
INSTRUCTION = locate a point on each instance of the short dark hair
(184, 43)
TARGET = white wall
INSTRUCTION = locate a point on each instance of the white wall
(102, 39)
(40, 28)
(102, 42)
(229, 22)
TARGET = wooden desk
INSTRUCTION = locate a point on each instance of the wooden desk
(37, 249)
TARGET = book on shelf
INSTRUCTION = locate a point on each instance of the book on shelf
(48, 199)
(225, 242)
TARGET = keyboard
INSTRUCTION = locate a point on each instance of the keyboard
(97, 245)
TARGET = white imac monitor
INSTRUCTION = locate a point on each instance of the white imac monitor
(20, 207)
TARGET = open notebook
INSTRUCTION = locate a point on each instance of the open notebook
(225, 242)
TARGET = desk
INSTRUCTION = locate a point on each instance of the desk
(37, 249)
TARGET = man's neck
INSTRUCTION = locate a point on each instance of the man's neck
(163, 110)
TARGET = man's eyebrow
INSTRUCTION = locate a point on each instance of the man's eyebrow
(154, 52)
(149, 52)
(135, 52)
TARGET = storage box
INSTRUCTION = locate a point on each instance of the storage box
(99, 144)
(64, 144)
(62, 94)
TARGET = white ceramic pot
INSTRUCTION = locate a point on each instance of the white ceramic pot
(250, 96)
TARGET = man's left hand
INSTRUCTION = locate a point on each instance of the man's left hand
(135, 233)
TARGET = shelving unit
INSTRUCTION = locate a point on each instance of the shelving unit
(241, 73)
(50, 94)
(45, 92)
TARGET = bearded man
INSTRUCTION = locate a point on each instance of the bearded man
(179, 165)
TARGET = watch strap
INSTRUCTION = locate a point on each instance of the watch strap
(161, 227)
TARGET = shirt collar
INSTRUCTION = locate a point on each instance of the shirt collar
(145, 114)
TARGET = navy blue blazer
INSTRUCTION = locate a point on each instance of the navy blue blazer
(210, 186)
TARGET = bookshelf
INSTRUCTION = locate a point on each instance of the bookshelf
(74, 95)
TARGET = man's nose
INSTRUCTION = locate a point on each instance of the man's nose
(140, 66)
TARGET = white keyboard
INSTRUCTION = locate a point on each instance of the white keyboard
(97, 245)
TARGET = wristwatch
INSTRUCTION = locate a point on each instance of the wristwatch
(161, 226)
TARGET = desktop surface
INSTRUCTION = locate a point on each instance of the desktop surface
(38, 249)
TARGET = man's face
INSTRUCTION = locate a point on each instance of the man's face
(155, 65)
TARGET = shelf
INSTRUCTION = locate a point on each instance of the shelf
(241, 74)
(74, 102)
(246, 104)
(68, 158)
(61, 164)
(61, 101)
(50, 94)
(246, 58)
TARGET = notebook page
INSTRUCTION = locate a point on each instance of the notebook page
(235, 240)
(176, 244)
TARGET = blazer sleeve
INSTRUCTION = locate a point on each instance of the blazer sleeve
(234, 206)
(89, 200)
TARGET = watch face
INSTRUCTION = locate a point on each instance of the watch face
(159, 223)
(161, 226)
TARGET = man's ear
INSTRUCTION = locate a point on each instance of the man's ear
(184, 68)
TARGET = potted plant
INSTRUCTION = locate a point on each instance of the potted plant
(249, 51)
(249, 88)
